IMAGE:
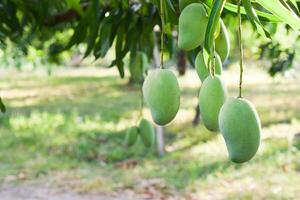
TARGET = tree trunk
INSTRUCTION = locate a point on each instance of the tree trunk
(181, 62)
(196, 120)
(160, 145)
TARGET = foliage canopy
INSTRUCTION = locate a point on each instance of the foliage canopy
(127, 26)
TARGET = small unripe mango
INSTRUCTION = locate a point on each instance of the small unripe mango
(131, 136)
(162, 95)
(202, 63)
(192, 26)
(147, 132)
(223, 42)
(240, 126)
(213, 94)
(138, 64)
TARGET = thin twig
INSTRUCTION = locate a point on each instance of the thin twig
(211, 62)
(240, 47)
(142, 100)
(162, 34)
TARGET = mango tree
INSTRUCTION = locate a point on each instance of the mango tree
(128, 27)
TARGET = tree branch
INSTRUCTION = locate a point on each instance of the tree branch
(65, 16)
(61, 18)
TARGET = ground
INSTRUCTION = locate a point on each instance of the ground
(63, 138)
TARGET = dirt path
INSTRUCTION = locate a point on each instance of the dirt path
(42, 191)
(34, 193)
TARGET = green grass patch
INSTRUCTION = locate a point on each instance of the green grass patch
(78, 124)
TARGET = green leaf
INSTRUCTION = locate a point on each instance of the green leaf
(79, 33)
(75, 4)
(169, 12)
(119, 42)
(213, 23)
(120, 66)
(2, 106)
(254, 19)
(102, 45)
(294, 3)
(155, 2)
(284, 14)
(289, 3)
(263, 15)
(94, 25)
(170, 44)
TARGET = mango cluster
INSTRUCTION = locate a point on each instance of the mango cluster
(235, 118)
(192, 27)
(144, 130)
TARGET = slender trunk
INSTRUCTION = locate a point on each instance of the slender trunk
(196, 120)
(181, 62)
(197, 117)
(160, 145)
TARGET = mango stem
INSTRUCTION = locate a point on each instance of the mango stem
(240, 47)
(212, 60)
(162, 35)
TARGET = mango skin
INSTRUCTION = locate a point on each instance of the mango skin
(213, 94)
(201, 65)
(162, 95)
(131, 136)
(147, 132)
(223, 42)
(192, 26)
(240, 126)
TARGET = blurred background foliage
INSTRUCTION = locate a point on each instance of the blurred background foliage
(40, 31)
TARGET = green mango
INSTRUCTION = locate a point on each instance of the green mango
(213, 94)
(223, 42)
(162, 95)
(202, 63)
(147, 132)
(241, 129)
(131, 136)
(138, 64)
(192, 26)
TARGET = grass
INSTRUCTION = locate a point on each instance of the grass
(71, 126)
